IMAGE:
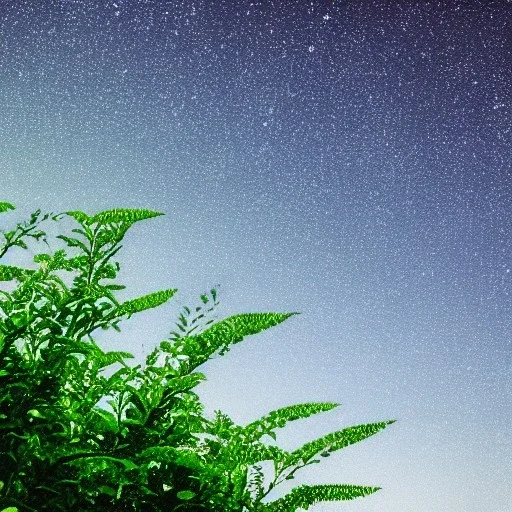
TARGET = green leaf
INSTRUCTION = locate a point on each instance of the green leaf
(8, 272)
(186, 325)
(138, 400)
(229, 331)
(179, 456)
(109, 420)
(129, 215)
(115, 287)
(105, 489)
(74, 242)
(21, 243)
(80, 232)
(4, 207)
(279, 418)
(336, 441)
(109, 358)
(306, 495)
(272, 435)
(10, 509)
(128, 464)
(35, 413)
(185, 382)
(149, 301)
(42, 257)
(80, 217)
(186, 495)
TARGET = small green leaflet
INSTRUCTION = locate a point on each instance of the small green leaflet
(186, 495)
(4, 207)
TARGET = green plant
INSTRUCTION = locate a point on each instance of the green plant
(153, 450)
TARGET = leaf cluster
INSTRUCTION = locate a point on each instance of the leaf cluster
(152, 448)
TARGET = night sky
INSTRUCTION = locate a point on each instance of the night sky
(350, 160)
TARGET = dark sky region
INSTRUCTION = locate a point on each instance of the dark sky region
(350, 160)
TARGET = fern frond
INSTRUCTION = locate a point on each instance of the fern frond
(152, 300)
(227, 332)
(80, 217)
(306, 495)
(251, 454)
(235, 448)
(279, 418)
(336, 441)
(129, 215)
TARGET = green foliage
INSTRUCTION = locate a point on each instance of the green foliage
(24, 230)
(279, 418)
(197, 349)
(306, 495)
(73, 439)
(4, 207)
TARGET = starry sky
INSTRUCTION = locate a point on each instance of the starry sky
(347, 159)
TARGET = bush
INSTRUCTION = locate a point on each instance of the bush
(153, 450)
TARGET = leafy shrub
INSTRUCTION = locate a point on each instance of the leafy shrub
(60, 450)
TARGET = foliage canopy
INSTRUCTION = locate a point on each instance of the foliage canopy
(153, 450)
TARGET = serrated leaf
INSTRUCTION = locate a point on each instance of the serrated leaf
(279, 418)
(74, 242)
(336, 441)
(152, 300)
(80, 217)
(227, 332)
(129, 215)
(9, 272)
(306, 495)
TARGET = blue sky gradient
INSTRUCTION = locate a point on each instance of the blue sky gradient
(349, 160)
